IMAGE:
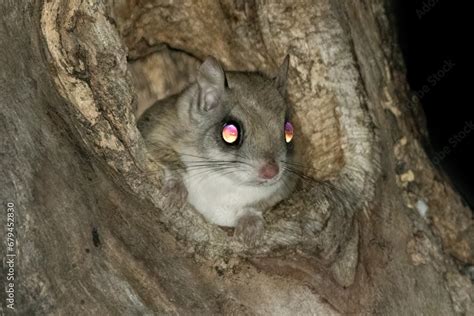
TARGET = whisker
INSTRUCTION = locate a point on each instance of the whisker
(302, 176)
(299, 165)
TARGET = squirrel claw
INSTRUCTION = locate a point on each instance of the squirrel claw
(175, 194)
(249, 229)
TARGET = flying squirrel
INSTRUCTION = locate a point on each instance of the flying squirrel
(226, 144)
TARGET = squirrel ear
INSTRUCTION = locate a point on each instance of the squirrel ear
(211, 80)
(281, 78)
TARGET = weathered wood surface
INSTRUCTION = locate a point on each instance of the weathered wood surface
(74, 163)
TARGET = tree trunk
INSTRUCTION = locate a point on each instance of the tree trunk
(380, 232)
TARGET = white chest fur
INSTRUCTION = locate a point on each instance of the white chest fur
(220, 200)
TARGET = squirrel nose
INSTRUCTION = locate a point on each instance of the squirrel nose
(269, 170)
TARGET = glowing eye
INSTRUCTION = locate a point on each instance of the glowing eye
(230, 133)
(288, 132)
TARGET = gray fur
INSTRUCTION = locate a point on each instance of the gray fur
(183, 132)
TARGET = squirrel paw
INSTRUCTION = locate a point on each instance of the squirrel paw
(249, 229)
(175, 193)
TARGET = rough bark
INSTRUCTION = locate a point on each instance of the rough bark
(93, 236)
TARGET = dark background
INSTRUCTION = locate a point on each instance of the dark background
(434, 34)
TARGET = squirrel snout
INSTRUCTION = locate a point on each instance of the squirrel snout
(268, 170)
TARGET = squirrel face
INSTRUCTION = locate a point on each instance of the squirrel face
(244, 125)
